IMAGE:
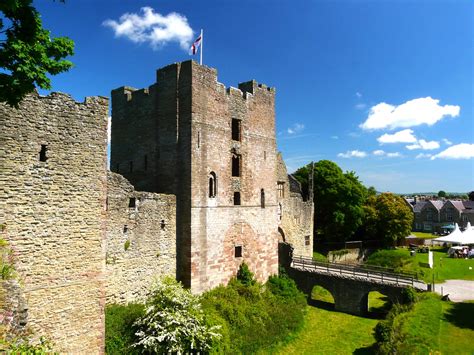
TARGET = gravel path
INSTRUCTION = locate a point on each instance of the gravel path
(458, 290)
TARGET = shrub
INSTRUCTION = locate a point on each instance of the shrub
(174, 321)
(244, 275)
(119, 328)
(257, 316)
(22, 346)
(398, 260)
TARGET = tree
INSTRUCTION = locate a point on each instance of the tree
(338, 199)
(442, 193)
(27, 52)
(471, 196)
(174, 321)
(387, 217)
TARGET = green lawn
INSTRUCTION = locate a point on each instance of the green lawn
(445, 268)
(424, 235)
(457, 328)
(319, 257)
(330, 332)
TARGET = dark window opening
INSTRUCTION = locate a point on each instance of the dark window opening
(306, 240)
(42, 155)
(262, 198)
(238, 251)
(106, 203)
(125, 228)
(117, 168)
(264, 155)
(236, 198)
(236, 136)
(131, 166)
(235, 165)
(145, 162)
(212, 184)
(132, 202)
(199, 139)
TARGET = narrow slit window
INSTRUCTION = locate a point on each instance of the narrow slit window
(262, 198)
(131, 166)
(306, 240)
(238, 251)
(212, 185)
(199, 139)
(236, 130)
(236, 198)
(132, 202)
(42, 154)
(236, 165)
(145, 162)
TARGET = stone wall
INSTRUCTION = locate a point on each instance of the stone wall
(295, 215)
(141, 240)
(53, 191)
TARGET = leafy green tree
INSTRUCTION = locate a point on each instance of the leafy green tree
(471, 196)
(338, 199)
(387, 217)
(174, 321)
(27, 52)
(442, 193)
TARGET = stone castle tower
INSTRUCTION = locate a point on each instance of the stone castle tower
(215, 149)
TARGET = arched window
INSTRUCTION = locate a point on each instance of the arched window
(212, 185)
(262, 198)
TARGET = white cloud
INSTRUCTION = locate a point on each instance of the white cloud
(409, 114)
(378, 152)
(360, 106)
(405, 136)
(358, 94)
(334, 137)
(296, 128)
(153, 28)
(458, 151)
(422, 144)
(447, 141)
(423, 155)
(394, 155)
(352, 154)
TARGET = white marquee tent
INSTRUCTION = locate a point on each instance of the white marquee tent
(458, 237)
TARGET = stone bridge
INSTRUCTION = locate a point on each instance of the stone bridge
(350, 285)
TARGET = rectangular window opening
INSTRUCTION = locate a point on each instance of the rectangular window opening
(132, 202)
(306, 240)
(236, 130)
(236, 164)
(238, 251)
(42, 154)
(281, 189)
(236, 198)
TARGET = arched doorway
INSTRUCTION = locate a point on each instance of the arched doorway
(285, 251)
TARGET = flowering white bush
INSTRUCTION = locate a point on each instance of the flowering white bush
(174, 321)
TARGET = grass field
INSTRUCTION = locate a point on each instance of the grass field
(457, 328)
(424, 235)
(445, 268)
(330, 332)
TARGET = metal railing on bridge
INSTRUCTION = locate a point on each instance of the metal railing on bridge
(369, 272)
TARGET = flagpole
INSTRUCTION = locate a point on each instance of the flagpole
(202, 43)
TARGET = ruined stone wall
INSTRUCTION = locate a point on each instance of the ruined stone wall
(141, 240)
(54, 213)
(296, 216)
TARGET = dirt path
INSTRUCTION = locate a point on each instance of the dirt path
(458, 290)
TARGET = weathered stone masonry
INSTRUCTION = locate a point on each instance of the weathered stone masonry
(54, 212)
(188, 140)
(141, 240)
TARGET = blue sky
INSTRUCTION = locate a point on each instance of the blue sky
(383, 88)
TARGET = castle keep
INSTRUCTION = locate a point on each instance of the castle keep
(196, 188)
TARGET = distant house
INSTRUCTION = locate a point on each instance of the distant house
(434, 215)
